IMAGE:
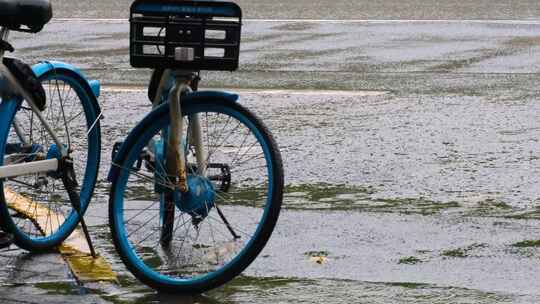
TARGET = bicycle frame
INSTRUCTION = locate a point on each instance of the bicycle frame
(9, 171)
(176, 162)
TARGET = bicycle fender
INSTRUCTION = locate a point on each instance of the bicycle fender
(202, 95)
(92, 86)
(154, 115)
(8, 108)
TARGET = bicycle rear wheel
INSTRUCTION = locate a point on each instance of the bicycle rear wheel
(36, 208)
(219, 227)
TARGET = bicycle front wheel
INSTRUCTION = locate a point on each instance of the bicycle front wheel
(216, 229)
(36, 208)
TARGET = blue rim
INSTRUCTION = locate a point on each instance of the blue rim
(89, 177)
(160, 123)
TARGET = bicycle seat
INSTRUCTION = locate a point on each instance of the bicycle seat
(33, 14)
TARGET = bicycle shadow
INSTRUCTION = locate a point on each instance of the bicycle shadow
(177, 299)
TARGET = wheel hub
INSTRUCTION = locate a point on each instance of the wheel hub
(200, 198)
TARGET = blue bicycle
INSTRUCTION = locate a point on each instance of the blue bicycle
(197, 185)
(49, 138)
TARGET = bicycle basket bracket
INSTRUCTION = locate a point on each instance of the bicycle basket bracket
(187, 35)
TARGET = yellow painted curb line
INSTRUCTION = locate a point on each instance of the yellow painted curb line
(74, 249)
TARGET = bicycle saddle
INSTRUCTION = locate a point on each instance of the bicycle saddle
(33, 14)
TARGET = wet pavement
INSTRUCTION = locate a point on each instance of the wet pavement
(336, 9)
(452, 57)
(416, 182)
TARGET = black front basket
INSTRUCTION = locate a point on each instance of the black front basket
(187, 35)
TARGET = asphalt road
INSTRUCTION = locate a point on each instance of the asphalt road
(338, 9)
(494, 58)
(420, 190)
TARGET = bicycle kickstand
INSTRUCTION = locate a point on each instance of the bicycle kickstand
(70, 183)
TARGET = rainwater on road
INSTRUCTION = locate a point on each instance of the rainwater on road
(410, 137)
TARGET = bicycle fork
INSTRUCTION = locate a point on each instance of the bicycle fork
(175, 159)
(176, 162)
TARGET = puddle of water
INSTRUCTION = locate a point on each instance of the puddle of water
(527, 243)
(247, 289)
(290, 290)
(63, 288)
(370, 199)
(365, 199)
(462, 252)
